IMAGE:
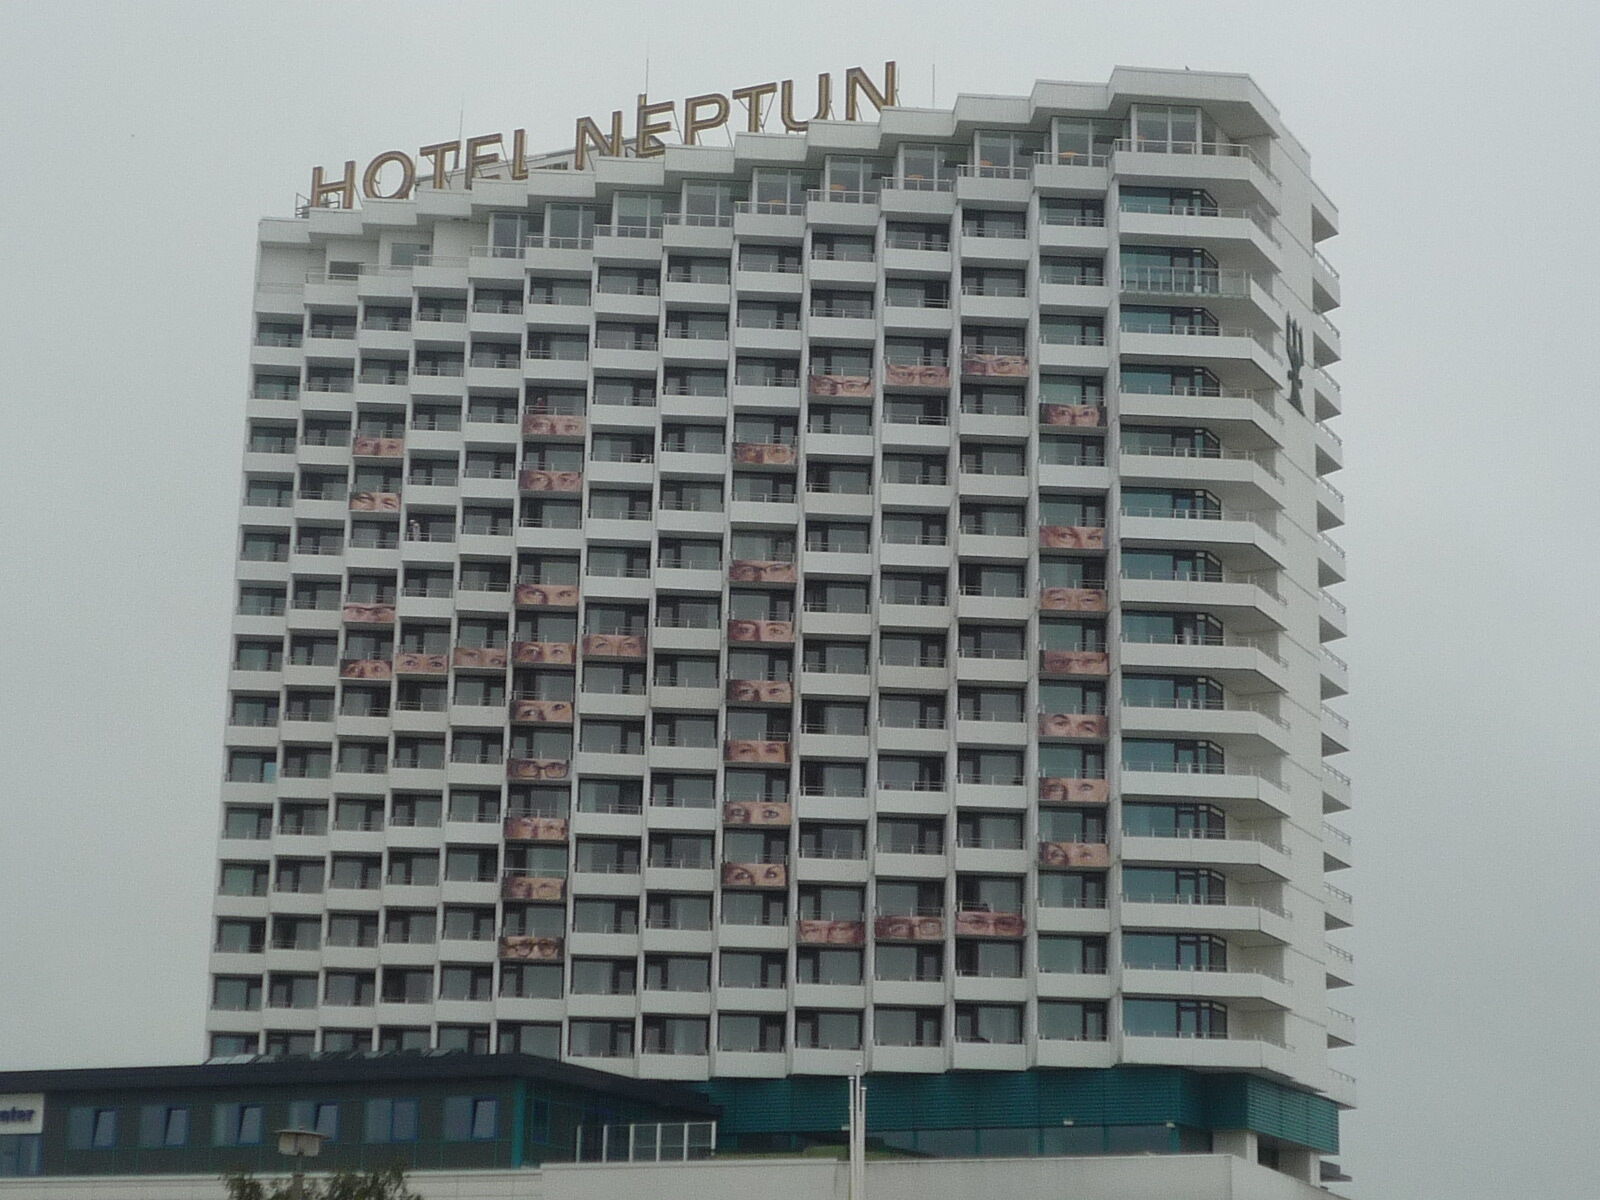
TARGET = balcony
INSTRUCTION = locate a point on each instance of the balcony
(1232, 295)
(1335, 790)
(1249, 922)
(1241, 231)
(1252, 534)
(976, 364)
(1341, 1029)
(1233, 596)
(1246, 473)
(1234, 660)
(1338, 966)
(1335, 732)
(984, 923)
(1248, 858)
(1241, 1052)
(1246, 791)
(1234, 350)
(1241, 987)
(1340, 907)
(1233, 412)
(1336, 848)
(1242, 725)
(1233, 173)
(524, 947)
(1330, 506)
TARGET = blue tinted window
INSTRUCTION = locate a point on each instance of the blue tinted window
(161, 1125)
(391, 1121)
(92, 1128)
(236, 1125)
(19, 1154)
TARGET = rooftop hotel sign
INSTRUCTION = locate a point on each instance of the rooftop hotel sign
(395, 174)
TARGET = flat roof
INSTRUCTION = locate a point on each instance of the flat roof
(358, 1067)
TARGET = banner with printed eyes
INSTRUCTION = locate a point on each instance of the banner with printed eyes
(916, 375)
(839, 385)
(1074, 662)
(760, 691)
(379, 502)
(377, 447)
(533, 654)
(755, 750)
(1073, 725)
(763, 454)
(761, 631)
(757, 813)
(526, 947)
(412, 663)
(908, 929)
(1082, 416)
(1007, 365)
(535, 829)
(563, 425)
(550, 481)
(1057, 790)
(533, 887)
(613, 645)
(1072, 537)
(368, 614)
(537, 768)
(755, 875)
(752, 570)
(831, 933)
(366, 668)
(541, 712)
(990, 924)
(1069, 599)
(546, 595)
(480, 658)
(1074, 854)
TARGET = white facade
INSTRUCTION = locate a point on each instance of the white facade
(1163, 1177)
(858, 481)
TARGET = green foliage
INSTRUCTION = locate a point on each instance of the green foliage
(389, 1184)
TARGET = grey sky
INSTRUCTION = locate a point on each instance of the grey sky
(140, 143)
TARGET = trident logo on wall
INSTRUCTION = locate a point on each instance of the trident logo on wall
(1295, 345)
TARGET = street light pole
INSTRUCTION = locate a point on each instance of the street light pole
(299, 1144)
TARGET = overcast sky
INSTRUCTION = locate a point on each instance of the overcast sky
(139, 143)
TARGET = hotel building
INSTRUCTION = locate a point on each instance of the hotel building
(843, 601)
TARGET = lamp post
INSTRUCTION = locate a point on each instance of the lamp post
(299, 1144)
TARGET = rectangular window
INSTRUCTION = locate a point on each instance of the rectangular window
(391, 1121)
(92, 1128)
(312, 1114)
(20, 1154)
(471, 1118)
(236, 1125)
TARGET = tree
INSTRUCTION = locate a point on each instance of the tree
(389, 1184)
